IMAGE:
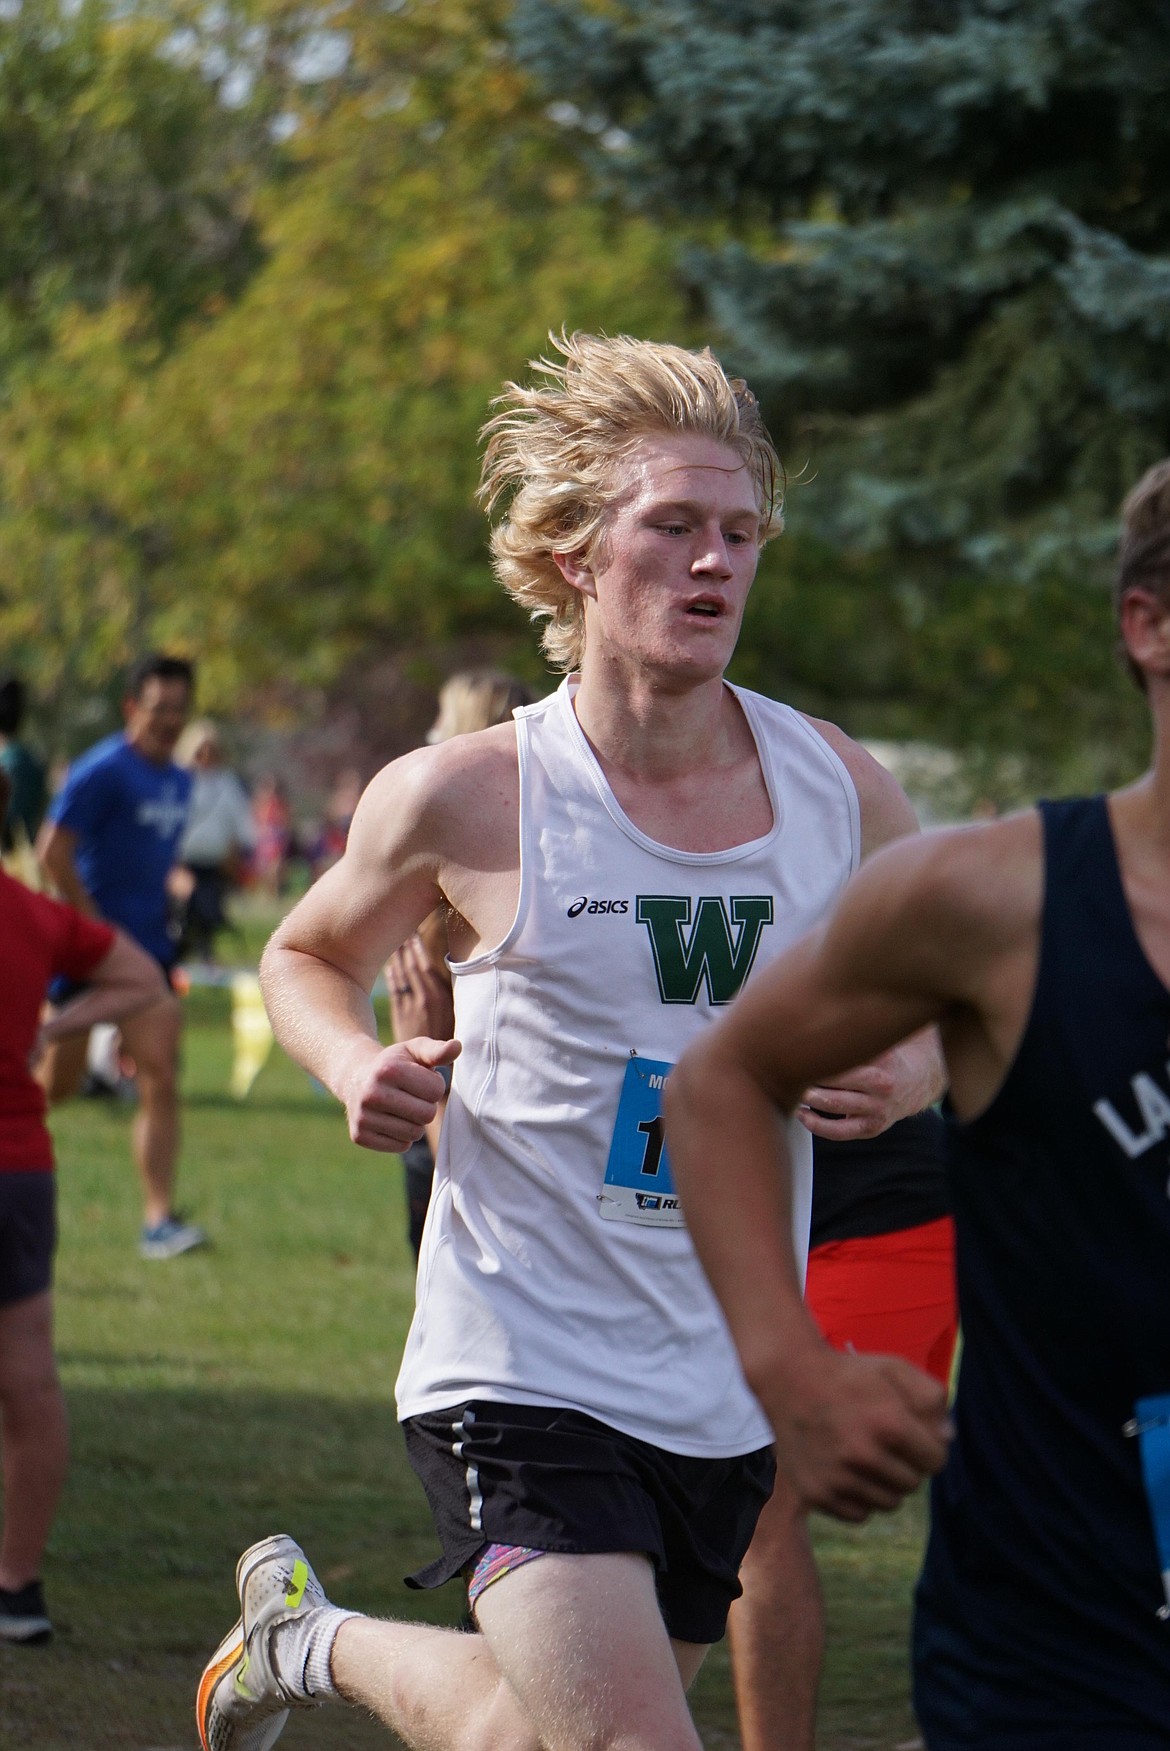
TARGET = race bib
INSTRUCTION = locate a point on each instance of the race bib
(1151, 1425)
(639, 1186)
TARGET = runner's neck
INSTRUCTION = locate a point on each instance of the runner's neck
(1140, 817)
(655, 735)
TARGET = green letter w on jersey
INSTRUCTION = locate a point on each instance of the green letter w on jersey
(714, 949)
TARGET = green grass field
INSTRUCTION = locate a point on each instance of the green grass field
(247, 1389)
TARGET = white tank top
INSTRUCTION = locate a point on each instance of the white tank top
(555, 1269)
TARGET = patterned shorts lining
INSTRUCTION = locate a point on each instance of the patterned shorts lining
(493, 1564)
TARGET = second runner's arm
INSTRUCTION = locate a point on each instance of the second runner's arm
(855, 1433)
(866, 1100)
(56, 849)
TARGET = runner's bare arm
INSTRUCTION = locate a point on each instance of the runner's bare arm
(868, 1099)
(924, 934)
(886, 811)
(126, 981)
(422, 833)
(55, 851)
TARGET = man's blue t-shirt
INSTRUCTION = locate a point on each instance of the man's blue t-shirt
(128, 814)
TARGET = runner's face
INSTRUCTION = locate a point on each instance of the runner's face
(154, 721)
(677, 557)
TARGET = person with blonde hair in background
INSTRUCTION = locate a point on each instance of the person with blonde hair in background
(417, 977)
(219, 835)
(614, 862)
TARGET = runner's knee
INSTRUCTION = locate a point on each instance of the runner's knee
(152, 1038)
(28, 1380)
(502, 1726)
(157, 1063)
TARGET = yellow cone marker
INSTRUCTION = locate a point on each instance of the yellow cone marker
(251, 1033)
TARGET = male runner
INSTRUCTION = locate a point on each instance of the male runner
(110, 841)
(615, 860)
(1041, 946)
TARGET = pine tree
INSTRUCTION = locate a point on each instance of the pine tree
(938, 241)
(967, 265)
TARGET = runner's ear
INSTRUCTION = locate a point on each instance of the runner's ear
(576, 571)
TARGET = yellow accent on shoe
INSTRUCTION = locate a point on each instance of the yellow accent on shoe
(296, 1592)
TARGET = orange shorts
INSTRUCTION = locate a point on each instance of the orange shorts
(890, 1294)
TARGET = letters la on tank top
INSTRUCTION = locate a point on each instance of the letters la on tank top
(1042, 1564)
(555, 1268)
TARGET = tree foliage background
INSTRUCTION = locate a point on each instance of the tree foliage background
(939, 246)
(269, 457)
(263, 265)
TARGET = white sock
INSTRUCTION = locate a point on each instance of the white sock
(300, 1651)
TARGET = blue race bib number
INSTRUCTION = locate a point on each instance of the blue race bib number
(1151, 1425)
(639, 1186)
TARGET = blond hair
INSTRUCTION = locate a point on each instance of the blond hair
(1143, 560)
(197, 735)
(469, 700)
(554, 448)
(475, 699)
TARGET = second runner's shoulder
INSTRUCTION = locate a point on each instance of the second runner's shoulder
(981, 883)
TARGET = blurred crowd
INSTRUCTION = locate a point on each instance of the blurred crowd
(109, 879)
(239, 835)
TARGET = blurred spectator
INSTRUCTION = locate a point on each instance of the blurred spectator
(329, 845)
(272, 820)
(220, 834)
(108, 847)
(417, 975)
(475, 699)
(24, 771)
(40, 939)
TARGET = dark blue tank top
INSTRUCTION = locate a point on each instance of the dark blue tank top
(1041, 1589)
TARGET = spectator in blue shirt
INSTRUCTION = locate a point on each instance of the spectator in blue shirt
(108, 846)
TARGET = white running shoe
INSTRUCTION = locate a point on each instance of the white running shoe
(242, 1704)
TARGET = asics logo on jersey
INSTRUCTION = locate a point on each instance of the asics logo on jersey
(585, 904)
(718, 950)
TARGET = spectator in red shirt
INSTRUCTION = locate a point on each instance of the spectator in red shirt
(40, 939)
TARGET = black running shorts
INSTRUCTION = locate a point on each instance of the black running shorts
(28, 1234)
(558, 1480)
